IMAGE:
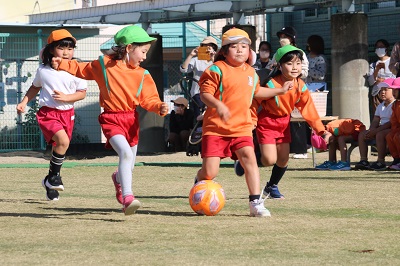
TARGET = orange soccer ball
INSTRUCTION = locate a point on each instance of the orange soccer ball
(207, 197)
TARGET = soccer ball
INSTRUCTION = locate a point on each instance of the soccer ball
(207, 197)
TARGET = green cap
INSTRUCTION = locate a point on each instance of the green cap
(284, 50)
(132, 34)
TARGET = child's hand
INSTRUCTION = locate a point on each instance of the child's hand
(59, 96)
(288, 85)
(223, 112)
(21, 108)
(164, 108)
(327, 137)
(55, 62)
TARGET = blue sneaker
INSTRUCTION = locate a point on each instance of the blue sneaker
(239, 171)
(272, 192)
(340, 166)
(325, 165)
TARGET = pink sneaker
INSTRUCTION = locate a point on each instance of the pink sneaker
(131, 205)
(118, 190)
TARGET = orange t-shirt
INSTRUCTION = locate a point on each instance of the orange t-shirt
(124, 84)
(395, 118)
(299, 96)
(239, 84)
(345, 127)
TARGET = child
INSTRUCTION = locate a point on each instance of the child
(227, 88)
(273, 127)
(393, 137)
(123, 86)
(379, 128)
(343, 131)
(58, 92)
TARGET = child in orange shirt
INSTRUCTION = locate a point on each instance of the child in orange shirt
(227, 88)
(393, 137)
(343, 131)
(123, 85)
(273, 127)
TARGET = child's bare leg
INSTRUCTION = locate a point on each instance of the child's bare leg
(332, 149)
(343, 146)
(362, 146)
(248, 160)
(209, 168)
(269, 154)
(381, 144)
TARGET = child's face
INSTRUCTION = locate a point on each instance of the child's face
(63, 52)
(386, 94)
(292, 68)
(136, 55)
(237, 54)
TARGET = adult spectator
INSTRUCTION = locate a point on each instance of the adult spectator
(193, 64)
(180, 125)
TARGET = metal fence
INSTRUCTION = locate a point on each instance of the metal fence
(19, 61)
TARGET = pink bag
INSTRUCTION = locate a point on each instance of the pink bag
(318, 142)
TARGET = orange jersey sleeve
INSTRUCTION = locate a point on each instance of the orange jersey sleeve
(127, 88)
(235, 87)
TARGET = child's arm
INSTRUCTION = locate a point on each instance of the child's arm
(211, 102)
(266, 93)
(70, 98)
(30, 94)
(87, 71)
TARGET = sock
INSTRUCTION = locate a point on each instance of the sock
(254, 197)
(56, 162)
(276, 175)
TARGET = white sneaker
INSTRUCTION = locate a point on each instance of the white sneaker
(257, 209)
(300, 156)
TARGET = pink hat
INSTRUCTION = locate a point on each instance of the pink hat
(390, 83)
(396, 84)
(318, 142)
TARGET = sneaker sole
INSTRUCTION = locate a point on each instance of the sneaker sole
(268, 196)
(260, 215)
(58, 188)
(133, 207)
(341, 169)
(47, 197)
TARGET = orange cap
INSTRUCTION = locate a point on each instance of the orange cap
(57, 35)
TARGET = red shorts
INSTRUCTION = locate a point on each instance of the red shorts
(273, 129)
(218, 146)
(124, 123)
(52, 120)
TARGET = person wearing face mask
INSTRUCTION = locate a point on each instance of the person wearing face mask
(264, 50)
(180, 124)
(378, 72)
(287, 36)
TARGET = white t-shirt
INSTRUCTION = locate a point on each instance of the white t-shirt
(49, 80)
(384, 112)
(197, 67)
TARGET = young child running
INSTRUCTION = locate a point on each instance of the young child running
(58, 92)
(227, 88)
(393, 137)
(123, 85)
(273, 127)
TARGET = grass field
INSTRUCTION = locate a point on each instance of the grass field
(327, 218)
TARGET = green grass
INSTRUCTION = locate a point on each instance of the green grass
(329, 218)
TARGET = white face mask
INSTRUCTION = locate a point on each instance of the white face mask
(380, 52)
(284, 41)
(264, 54)
(177, 109)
